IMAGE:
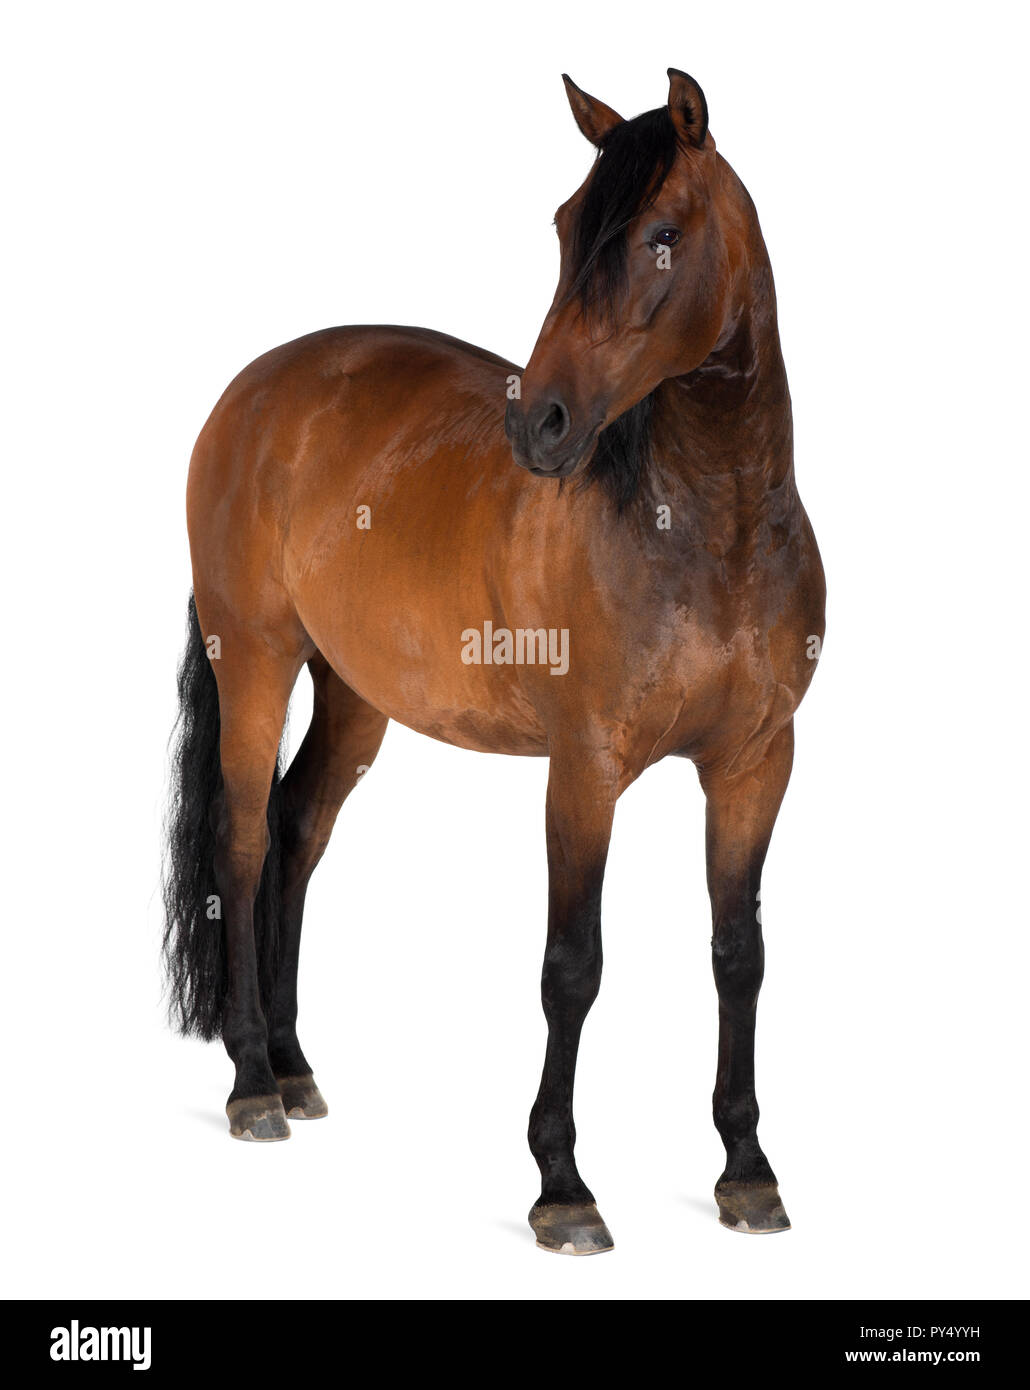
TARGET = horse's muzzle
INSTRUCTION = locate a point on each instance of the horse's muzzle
(543, 440)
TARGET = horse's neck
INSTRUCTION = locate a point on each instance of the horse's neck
(723, 435)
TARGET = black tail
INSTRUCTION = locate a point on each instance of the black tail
(194, 935)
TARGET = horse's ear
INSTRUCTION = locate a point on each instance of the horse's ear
(594, 119)
(688, 109)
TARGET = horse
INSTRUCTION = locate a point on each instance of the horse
(601, 559)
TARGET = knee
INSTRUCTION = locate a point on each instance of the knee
(571, 977)
(738, 960)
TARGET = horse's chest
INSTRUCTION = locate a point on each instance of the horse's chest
(724, 665)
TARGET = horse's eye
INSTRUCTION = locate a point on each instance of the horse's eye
(668, 236)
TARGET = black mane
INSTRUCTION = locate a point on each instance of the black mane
(634, 161)
(623, 453)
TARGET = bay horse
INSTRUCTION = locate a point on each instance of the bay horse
(428, 528)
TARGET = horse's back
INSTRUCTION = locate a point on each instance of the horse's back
(324, 365)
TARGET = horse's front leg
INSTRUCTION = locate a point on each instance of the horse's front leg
(581, 794)
(742, 810)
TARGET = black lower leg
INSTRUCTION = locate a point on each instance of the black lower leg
(254, 1107)
(244, 1030)
(341, 743)
(738, 961)
(579, 817)
(284, 1050)
(571, 979)
(302, 1100)
(741, 813)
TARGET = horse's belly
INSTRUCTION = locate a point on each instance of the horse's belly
(426, 696)
(411, 660)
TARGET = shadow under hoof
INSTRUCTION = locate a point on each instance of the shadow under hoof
(571, 1230)
(260, 1118)
(754, 1208)
(302, 1100)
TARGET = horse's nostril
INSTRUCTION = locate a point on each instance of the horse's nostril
(553, 425)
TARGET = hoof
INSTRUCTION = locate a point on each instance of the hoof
(571, 1230)
(302, 1100)
(257, 1117)
(751, 1207)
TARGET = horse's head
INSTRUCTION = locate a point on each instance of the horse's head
(651, 246)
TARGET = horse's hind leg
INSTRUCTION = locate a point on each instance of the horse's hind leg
(341, 742)
(742, 810)
(255, 679)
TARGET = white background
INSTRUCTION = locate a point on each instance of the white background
(189, 185)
